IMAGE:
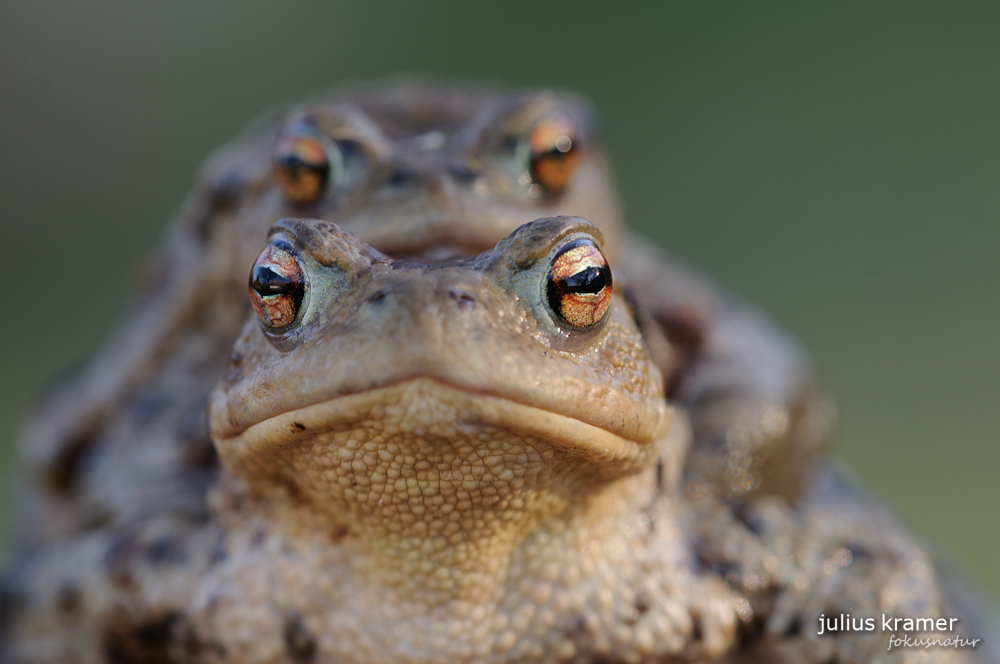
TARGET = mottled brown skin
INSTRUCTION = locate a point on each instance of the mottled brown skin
(431, 469)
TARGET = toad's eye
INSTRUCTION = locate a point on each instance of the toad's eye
(303, 164)
(554, 153)
(277, 284)
(579, 285)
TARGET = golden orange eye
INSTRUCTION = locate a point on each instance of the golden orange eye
(554, 153)
(277, 284)
(301, 164)
(579, 285)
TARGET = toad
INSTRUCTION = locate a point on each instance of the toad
(427, 448)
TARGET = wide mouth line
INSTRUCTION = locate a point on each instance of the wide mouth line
(484, 407)
(465, 389)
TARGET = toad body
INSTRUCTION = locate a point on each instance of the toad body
(443, 424)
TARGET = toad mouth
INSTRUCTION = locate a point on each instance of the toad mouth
(421, 395)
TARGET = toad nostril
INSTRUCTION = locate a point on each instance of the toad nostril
(463, 299)
(377, 297)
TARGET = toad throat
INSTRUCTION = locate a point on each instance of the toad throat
(432, 488)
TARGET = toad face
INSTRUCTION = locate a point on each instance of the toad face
(534, 322)
(412, 169)
(391, 385)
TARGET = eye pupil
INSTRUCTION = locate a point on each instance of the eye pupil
(579, 285)
(554, 153)
(296, 168)
(591, 280)
(277, 287)
(301, 164)
(268, 282)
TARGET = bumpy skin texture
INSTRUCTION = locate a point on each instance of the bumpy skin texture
(427, 466)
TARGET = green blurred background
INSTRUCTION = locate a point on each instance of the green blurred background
(837, 164)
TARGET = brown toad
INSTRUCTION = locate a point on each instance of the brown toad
(583, 527)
